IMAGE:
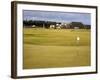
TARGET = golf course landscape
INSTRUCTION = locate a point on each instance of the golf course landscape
(51, 48)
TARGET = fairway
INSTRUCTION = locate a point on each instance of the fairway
(49, 48)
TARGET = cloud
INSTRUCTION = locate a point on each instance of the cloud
(57, 16)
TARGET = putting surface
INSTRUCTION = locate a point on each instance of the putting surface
(50, 48)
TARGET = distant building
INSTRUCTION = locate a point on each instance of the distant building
(63, 25)
(33, 26)
(52, 26)
(78, 25)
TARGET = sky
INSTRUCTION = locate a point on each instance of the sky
(67, 17)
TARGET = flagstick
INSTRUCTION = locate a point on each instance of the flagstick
(78, 39)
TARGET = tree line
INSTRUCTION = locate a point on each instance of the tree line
(46, 24)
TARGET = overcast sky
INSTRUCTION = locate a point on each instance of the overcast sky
(85, 18)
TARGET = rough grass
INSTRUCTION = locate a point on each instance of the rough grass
(46, 48)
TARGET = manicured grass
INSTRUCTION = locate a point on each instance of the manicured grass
(54, 37)
(36, 56)
(47, 48)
